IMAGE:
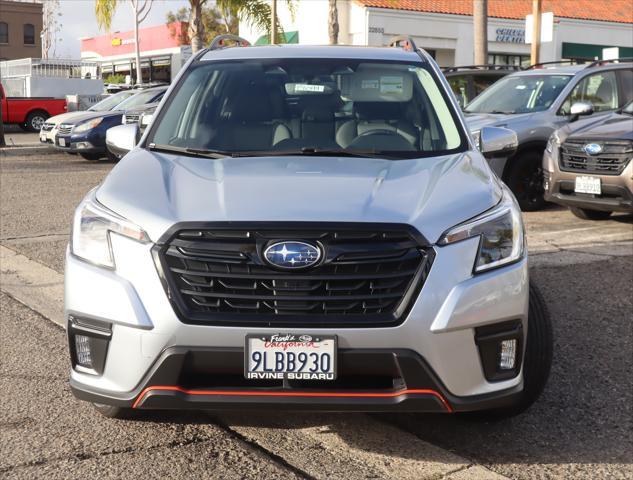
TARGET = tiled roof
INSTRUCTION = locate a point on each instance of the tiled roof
(620, 11)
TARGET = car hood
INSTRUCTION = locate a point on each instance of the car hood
(432, 194)
(475, 121)
(616, 126)
(64, 117)
(89, 116)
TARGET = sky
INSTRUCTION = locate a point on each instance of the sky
(78, 20)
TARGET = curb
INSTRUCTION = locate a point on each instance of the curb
(25, 150)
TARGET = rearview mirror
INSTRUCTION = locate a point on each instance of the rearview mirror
(497, 142)
(581, 108)
(122, 138)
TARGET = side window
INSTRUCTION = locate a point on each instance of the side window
(459, 85)
(481, 82)
(626, 81)
(600, 89)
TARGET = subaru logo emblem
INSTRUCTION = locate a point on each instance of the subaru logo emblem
(592, 149)
(292, 255)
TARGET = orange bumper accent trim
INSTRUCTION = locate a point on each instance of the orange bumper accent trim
(246, 393)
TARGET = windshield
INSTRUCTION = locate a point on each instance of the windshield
(308, 106)
(520, 94)
(140, 98)
(111, 101)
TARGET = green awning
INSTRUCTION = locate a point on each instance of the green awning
(589, 52)
(288, 37)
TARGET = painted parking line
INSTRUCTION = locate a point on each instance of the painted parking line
(335, 444)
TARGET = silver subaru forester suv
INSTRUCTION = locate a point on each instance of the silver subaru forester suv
(305, 228)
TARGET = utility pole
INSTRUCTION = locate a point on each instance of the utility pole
(480, 30)
(536, 31)
(273, 22)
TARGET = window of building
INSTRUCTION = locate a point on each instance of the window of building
(29, 34)
(4, 32)
(506, 59)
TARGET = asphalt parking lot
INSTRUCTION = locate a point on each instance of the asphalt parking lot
(582, 427)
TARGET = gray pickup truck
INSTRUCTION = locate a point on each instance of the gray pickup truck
(536, 102)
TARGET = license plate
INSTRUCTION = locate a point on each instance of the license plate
(588, 185)
(290, 356)
(62, 142)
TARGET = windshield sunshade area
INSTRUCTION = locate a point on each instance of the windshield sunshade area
(308, 106)
(141, 98)
(519, 94)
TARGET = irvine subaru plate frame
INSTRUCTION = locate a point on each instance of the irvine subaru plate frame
(297, 344)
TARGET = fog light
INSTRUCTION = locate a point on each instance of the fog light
(508, 354)
(82, 348)
(83, 145)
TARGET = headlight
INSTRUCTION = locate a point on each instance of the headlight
(553, 142)
(92, 226)
(500, 230)
(84, 127)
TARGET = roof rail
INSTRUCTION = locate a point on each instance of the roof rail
(571, 61)
(220, 41)
(481, 67)
(597, 63)
(403, 41)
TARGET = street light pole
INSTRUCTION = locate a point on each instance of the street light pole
(536, 31)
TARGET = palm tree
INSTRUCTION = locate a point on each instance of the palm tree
(256, 12)
(332, 26)
(104, 11)
(480, 30)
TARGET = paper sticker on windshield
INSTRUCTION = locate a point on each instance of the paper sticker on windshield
(304, 87)
(370, 84)
(391, 85)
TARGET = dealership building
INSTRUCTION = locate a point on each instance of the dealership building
(581, 28)
(163, 52)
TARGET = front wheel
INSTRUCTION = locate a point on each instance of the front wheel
(35, 120)
(525, 179)
(586, 214)
(111, 411)
(93, 157)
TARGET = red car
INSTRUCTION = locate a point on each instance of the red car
(30, 113)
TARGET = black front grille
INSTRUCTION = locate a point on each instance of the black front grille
(64, 129)
(612, 160)
(367, 277)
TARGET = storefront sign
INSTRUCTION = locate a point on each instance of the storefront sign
(116, 42)
(510, 35)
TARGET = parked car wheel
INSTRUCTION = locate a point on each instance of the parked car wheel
(526, 181)
(93, 157)
(587, 214)
(35, 120)
(113, 412)
(112, 157)
(537, 361)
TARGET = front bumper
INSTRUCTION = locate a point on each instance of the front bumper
(156, 361)
(78, 144)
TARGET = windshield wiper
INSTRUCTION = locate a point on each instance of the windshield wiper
(338, 152)
(198, 152)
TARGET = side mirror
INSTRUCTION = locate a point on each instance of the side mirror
(580, 108)
(122, 138)
(497, 142)
(146, 120)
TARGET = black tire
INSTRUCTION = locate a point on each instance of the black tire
(111, 411)
(586, 214)
(112, 157)
(93, 157)
(35, 120)
(537, 361)
(525, 179)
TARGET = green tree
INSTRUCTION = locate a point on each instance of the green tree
(213, 23)
(104, 11)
